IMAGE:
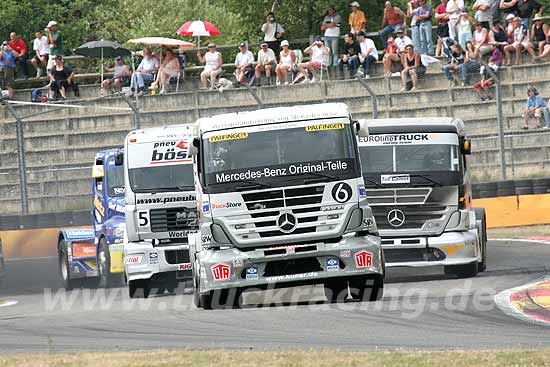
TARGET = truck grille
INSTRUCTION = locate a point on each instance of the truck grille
(405, 196)
(173, 219)
(415, 216)
(177, 256)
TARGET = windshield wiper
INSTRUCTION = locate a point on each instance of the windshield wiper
(374, 182)
(319, 177)
(427, 179)
(250, 185)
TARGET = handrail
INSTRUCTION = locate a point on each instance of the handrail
(373, 96)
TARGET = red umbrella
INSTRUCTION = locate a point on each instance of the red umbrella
(198, 28)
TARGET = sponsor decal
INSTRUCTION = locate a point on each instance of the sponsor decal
(133, 260)
(368, 222)
(331, 208)
(342, 192)
(99, 205)
(220, 271)
(185, 266)
(289, 248)
(362, 192)
(363, 259)
(83, 249)
(285, 170)
(178, 234)
(225, 137)
(206, 239)
(252, 273)
(169, 152)
(412, 138)
(79, 234)
(226, 205)
(396, 217)
(153, 258)
(333, 264)
(119, 190)
(116, 207)
(206, 207)
(395, 179)
(289, 277)
(345, 253)
(323, 127)
(157, 200)
(237, 263)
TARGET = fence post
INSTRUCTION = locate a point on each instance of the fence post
(21, 159)
(255, 96)
(373, 97)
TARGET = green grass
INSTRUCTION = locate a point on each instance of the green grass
(290, 358)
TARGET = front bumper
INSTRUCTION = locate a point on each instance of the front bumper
(144, 261)
(282, 266)
(450, 248)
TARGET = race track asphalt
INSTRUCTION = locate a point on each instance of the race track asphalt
(421, 309)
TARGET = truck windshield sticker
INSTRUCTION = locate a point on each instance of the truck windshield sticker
(322, 127)
(225, 137)
(165, 200)
(395, 179)
(412, 138)
(158, 153)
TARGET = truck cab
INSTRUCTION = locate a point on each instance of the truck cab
(418, 185)
(282, 203)
(160, 208)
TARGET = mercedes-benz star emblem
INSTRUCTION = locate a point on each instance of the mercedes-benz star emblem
(396, 218)
(287, 222)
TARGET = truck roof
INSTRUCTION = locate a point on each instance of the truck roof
(172, 132)
(272, 116)
(411, 125)
(108, 152)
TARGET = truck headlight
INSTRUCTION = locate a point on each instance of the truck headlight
(119, 230)
(218, 235)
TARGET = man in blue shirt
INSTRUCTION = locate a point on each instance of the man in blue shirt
(7, 68)
(535, 107)
(424, 22)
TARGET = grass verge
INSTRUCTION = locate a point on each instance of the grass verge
(519, 232)
(312, 358)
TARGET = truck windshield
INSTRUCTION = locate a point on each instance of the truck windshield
(162, 178)
(276, 153)
(115, 180)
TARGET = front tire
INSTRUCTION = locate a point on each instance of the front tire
(106, 278)
(336, 290)
(65, 272)
(140, 288)
(480, 213)
(366, 288)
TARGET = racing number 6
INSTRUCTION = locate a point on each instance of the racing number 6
(341, 192)
(143, 220)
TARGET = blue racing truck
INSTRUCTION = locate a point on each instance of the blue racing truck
(98, 252)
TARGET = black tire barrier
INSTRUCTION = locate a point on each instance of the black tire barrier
(541, 185)
(511, 188)
(524, 187)
(485, 190)
(506, 188)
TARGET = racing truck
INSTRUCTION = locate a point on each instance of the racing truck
(282, 203)
(98, 252)
(160, 209)
(418, 186)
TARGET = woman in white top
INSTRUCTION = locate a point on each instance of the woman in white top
(454, 8)
(287, 58)
(481, 41)
(212, 61)
(464, 30)
(170, 68)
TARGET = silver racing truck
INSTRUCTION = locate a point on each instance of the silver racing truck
(160, 209)
(282, 203)
(418, 185)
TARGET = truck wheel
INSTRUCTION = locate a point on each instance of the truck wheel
(366, 288)
(106, 278)
(65, 272)
(139, 288)
(462, 271)
(201, 300)
(336, 290)
(480, 213)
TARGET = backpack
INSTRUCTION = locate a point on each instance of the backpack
(36, 95)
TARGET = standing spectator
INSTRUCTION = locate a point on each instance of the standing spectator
(7, 68)
(470, 65)
(352, 50)
(454, 8)
(391, 55)
(41, 50)
(481, 41)
(273, 32)
(539, 34)
(55, 41)
(394, 18)
(243, 63)
(266, 62)
(547, 115)
(169, 69)
(535, 107)
(412, 66)
(61, 77)
(287, 59)
(331, 26)
(464, 29)
(509, 10)
(212, 61)
(520, 44)
(319, 53)
(357, 20)
(412, 6)
(21, 53)
(442, 26)
(121, 75)
(145, 72)
(484, 14)
(526, 9)
(454, 55)
(498, 35)
(424, 21)
(369, 53)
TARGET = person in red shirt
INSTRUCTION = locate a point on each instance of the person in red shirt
(442, 26)
(20, 51)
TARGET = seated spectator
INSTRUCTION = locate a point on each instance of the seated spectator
(520, 44)
(484, 14)
(470, 65)
(41, 50)
(369, 53)
(352, 50)
(464, 29)
(7, 68)
(547, 115)
(121, 75)
(535, 107)
(483, 89)
(498, 35)
(319, 53)
(526, 9)
(495, 62)
(402, 41)
(424, 22)
(61, 77)
(454, 55)
(144, 73)
(212, 61)
(169, 69)
(394, 18)
(442, 30)
(20, 51)
(266, 62)
(287, 58)
(412, 67)
(357, 20)
(391, 55)
(243, 63)
(539, 34)
(481, 41)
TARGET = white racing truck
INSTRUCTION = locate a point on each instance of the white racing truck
(418, 186)
(160, 209)
(282, 203)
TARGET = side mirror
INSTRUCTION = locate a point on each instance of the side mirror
(466, 147)
(193, 147)
(362, 128)
(97, 171)
(119, 159)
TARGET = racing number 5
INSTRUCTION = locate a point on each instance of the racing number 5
(143, 220)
